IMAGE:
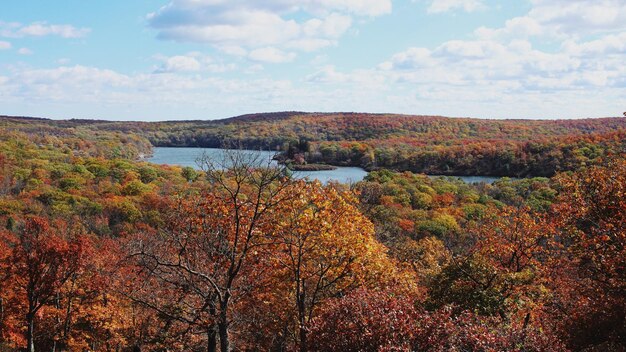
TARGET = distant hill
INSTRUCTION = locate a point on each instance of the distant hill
(428, 144)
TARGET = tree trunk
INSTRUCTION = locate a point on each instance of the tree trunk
(303, 342)
(525, 326)
(224, 342)
(212, 339)
(302, 319)
(223, 325)
(30, 318)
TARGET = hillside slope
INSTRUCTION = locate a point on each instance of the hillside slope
(428, 144)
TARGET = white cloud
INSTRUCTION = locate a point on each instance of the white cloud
(444, 90)
(327, 74)
(507, 58)
(5, 45)
(560, 46)
(237, 26)
(560, 19)
(461, 49)
(40, 29)
(271, 55)
(191, 62)
(332, 26)
(254, 68)
(180, 63)
(310, 45)
(233, 50)
(319, 60)
(183, 8)
(166, 95)
(25, 51)
(518, 27)
(77, 76)
(440, 6)
(357, 79)
(610, 44)
(580, 16)
(411, 58)
(357, 7)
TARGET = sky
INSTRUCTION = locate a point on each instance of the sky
(209, 59)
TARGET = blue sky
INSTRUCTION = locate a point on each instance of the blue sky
(207, 59)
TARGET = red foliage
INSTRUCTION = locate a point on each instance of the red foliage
(382, 321)
(589, 276)
(39, 264)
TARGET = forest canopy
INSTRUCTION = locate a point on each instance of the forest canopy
(102, 251)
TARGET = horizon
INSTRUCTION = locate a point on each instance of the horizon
(295, 113)
(199, 60)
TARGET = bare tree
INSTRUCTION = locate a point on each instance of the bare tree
(203, 259)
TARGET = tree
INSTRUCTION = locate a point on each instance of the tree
(365, 320)
(189, 173)
(10, 324)
(384, 320)
(502, 272)
(206, 257)
(88, 313)
(39, 264)
(591, 286)
(326, 248)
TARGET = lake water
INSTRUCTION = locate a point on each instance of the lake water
(191, 157)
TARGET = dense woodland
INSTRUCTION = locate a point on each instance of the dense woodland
(101, 252)
(422, 144)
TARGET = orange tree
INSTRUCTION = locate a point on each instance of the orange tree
(590, 304)
(325, 248)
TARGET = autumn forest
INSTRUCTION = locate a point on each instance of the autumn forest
(101, 250)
